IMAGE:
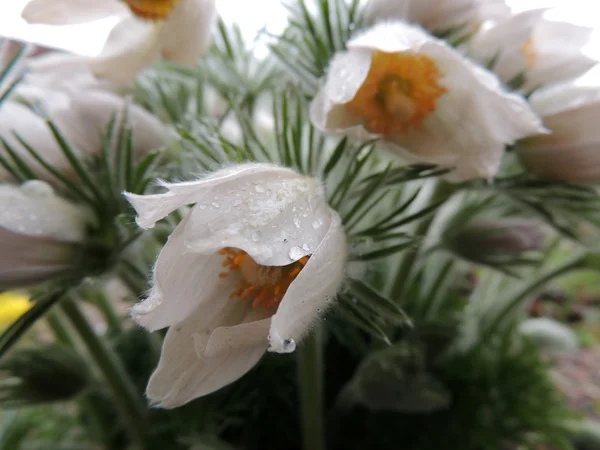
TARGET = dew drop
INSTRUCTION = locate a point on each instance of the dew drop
(289, 345)
(296, 253)
(258, 188)
(305, 247)
(256, 236)
(316, 224)
(216, 205)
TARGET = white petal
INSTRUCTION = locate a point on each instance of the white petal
(563, 98)
(578, 163)
(19, 119)
(276, 219)
(312, 292)
(558, 53)
(346, 74)
(152, 208)
(183, 282)
(391, 37)
(60, 71)
(378, 10)
(251, 331)
(66, 12)
(131, 46)
(92, 110)
(327, 116)
(503, 43)
(437, 15)
(570, 112)
(33, 209)
(185, 35)
(26, 260)
(183, 375)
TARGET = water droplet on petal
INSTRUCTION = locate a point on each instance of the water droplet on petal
(289, 345)
(216, 205)
(256, 236)
(258, 188)
(296, 253)
(305, 247)
(316, 224)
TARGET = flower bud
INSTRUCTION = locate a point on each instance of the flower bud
(495, 241)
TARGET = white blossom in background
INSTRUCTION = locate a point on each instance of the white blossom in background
(571, 152)
(425, 100)
(251, 267)
(39, 233)
(175, 30)
(81, 115)
(529, 46)
(438, 15)
(551, 335)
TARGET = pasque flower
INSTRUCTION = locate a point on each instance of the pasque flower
(251, 267)
(438, 15)
(178, 30)
(81, 115)
(40, 233)
(572, 151)
(532, 52)
(424, 99)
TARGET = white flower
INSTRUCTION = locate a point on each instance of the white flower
(438, 15)
(572, 151)
(39, 233)
(81, 115)
(425, 100)
(538, 51)
(176, 30)
(253, 264)
(550, 335)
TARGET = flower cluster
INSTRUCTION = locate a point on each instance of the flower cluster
(260, 244)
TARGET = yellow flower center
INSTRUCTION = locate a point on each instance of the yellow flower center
(12, 306)
(399, 93)
(529, 52)
(264, 285)
(152, 9)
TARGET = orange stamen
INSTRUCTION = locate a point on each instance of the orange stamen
(153, 10)
(265, 286)
(399, 93)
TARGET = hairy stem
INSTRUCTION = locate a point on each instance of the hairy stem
(310, 376)
(124, 394)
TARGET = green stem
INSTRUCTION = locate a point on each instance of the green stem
(310, 375)
(124, 393)
(575, 263)
(97, 426)
(442, 191)
(59, 330)
(112, 319)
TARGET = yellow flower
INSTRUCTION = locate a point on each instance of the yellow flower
(12, 306)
